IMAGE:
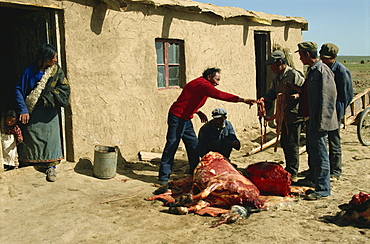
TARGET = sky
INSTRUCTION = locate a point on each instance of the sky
(345, 23)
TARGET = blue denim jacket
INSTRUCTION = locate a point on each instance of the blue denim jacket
(209, 132)
(343, 81)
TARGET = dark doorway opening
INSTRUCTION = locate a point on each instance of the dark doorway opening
(23, 29)
(261, 47)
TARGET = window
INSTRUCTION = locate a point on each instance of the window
(169, 63)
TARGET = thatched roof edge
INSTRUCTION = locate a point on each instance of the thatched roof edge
(224, 12)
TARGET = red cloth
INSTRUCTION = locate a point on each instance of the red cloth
(194, 95)
(15, 130)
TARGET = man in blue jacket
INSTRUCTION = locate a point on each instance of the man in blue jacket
(343, 82)
(217, 135)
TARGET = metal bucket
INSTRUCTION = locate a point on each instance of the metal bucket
(105, 162)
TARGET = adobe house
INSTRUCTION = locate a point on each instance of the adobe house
(126, 61)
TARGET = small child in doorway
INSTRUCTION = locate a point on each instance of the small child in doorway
(11, 136)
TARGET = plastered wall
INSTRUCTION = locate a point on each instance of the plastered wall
(111, 66)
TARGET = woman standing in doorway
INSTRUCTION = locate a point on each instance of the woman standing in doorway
(40, 91)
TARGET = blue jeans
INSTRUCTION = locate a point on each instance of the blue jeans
(335, 153)
(178, 129)
(319, 160)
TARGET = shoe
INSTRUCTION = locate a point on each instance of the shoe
(314, 196)
(304, 182)
(161, 190)
(51, 174)
(309, 191)
(334, 178)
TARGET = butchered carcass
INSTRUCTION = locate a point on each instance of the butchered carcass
(216, 186)
(356, 212)
(217, 181)
(270, 178)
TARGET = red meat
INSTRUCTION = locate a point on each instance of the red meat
(270, 178)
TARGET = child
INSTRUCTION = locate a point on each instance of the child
(11, 136)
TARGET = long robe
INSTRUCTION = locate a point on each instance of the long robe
(42, 141)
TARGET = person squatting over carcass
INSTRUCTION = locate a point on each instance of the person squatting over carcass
(218, 135)
(192, 98)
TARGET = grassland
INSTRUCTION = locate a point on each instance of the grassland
(360, 69)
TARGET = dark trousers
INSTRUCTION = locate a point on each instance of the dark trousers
(290, 139)
(178, 129)
(224, 147)
(335, 153)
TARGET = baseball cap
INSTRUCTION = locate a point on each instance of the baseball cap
(328, 50)
(307, 46)
(274, 56)
(218, 112)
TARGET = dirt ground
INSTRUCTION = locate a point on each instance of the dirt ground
(80, 208)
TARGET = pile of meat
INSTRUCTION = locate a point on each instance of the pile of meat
(270, 178)
(357, 211)
(216, 186)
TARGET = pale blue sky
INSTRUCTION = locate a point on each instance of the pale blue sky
(343, 22)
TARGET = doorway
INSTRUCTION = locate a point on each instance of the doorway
(261, 47)
(23, 29)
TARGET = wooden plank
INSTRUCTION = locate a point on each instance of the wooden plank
(268, 144)
(264, 146)
(359, 100)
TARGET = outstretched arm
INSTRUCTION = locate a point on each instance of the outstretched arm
(247, 101)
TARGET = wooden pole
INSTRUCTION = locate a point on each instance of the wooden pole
(264, 146)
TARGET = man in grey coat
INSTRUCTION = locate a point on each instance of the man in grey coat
(319, 112)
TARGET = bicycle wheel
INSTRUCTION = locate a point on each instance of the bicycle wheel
(363, 127)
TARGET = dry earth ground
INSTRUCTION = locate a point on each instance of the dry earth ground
(71, 210)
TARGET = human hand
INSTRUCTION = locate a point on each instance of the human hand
(202, 116)
(236, 145)
(24, 118)
(250, 101)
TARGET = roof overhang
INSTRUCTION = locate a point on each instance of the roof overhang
(224, 12)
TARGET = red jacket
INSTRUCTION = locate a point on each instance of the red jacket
(194, 95)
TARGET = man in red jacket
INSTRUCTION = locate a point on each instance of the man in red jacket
(193, 96)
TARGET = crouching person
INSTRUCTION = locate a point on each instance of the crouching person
(218, 135)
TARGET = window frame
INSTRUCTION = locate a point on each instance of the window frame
(167, 65)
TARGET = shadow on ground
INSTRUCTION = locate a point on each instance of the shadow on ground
(146, 171)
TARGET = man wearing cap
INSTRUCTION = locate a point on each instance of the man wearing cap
(291, 127)
(319, 111)
(192, 98)
(343, 81)
(218, 135)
